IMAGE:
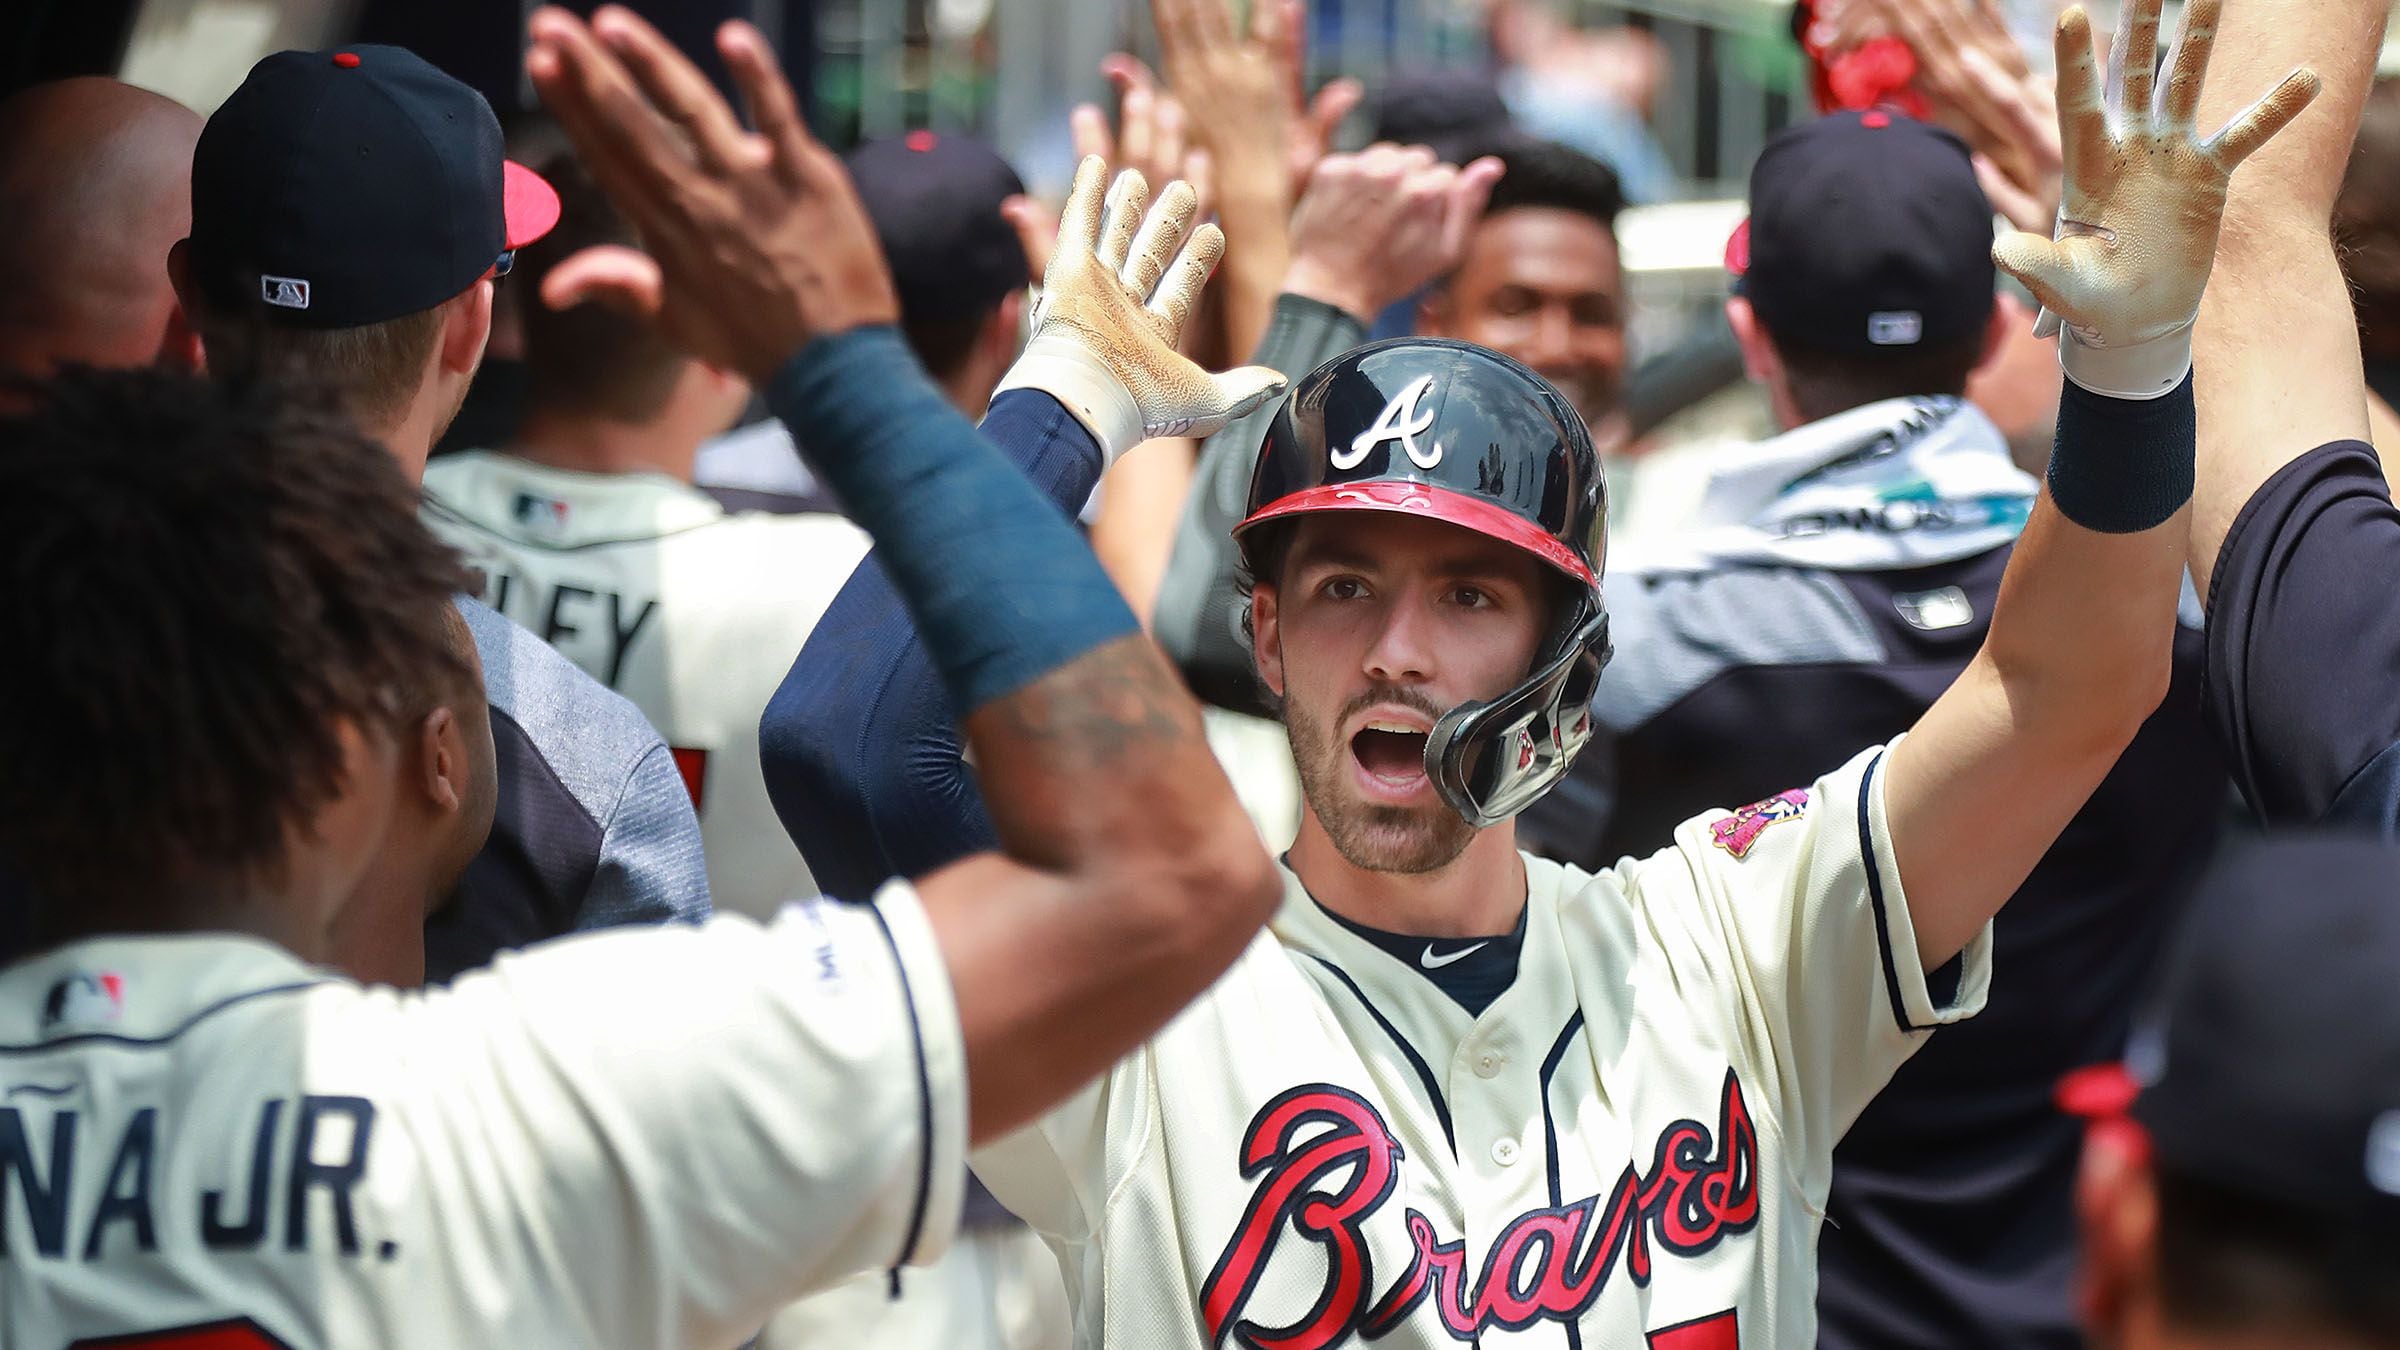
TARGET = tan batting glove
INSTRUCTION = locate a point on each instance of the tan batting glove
(2143, 197)
(1103, 352)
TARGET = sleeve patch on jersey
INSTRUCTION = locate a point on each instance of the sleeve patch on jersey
(1737, 832)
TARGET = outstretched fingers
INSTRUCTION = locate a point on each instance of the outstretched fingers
(674, 86)
(1079, 222)
(1127, 198)
(2133, 61)
(2195, 39)
(1162, 233)
(1179, 291)
(2082, 122)
(766, 95)
(2258, 123)
(630, 151)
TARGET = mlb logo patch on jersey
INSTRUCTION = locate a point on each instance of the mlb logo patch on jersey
(540, 512)
(84, 999)
(1737, 832)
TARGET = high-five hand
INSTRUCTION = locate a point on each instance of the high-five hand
(2143, 198)
(755, 241)
(1121, 284)
(1375, 226)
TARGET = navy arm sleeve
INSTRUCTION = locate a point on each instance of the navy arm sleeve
(861, 747)
(2303, 677)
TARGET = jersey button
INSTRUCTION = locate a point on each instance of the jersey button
(1487, 1065)
(1505, 1152)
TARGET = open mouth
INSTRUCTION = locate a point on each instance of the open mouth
(1391, 755)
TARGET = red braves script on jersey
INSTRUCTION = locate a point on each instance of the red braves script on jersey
(1552, 1263)
(1629, 1147)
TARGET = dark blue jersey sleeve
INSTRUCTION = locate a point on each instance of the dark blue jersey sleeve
(2303, 680)
(863, 756)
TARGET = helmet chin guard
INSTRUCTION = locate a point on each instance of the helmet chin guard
(1490, 760)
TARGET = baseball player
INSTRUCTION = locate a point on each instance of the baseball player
(2293, 522)
(644, 1137)
(587, 531)
(1458, 1094)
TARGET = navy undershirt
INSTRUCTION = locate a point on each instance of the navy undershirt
(1472, 971)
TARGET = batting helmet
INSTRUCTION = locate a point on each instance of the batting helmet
(1458, 433)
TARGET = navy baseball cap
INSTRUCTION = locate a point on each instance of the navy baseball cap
(935, 200)
(336, 189)
(1867, 231)
(2269, 1062)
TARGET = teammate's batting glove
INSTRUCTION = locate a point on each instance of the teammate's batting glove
(2137, 227)
(1103, 352)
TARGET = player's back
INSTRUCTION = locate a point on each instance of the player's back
(691, 612)
(204, 1142)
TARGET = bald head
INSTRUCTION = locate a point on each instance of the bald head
(95, 188)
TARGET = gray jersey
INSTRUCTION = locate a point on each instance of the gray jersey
(594, 826)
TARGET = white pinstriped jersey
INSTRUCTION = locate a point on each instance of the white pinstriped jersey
(644, 1137)
(1629, 1147)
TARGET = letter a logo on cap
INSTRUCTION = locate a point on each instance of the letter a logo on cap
(283, 292)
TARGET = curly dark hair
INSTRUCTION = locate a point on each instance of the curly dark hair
(205, 580)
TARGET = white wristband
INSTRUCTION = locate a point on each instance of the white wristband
(1067, 371)
(2143, 371)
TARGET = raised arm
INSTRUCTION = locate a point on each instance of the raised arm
(865, 760)
(1130, 877)
(2081, 638)
(2294, 530)
(2277, 343)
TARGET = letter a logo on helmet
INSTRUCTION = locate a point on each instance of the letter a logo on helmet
(1399, 421)
(1460, 434)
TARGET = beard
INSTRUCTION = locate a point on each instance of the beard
(1371, 836)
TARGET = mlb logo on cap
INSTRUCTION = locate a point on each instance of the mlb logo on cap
(1895, 328)
(284, 292)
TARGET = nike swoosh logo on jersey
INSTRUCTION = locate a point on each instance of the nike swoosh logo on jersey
(1432, 962)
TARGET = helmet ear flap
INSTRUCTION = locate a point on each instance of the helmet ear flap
(1491, 760)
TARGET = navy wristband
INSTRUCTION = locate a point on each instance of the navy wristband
(1002, 586)
(2122, 465)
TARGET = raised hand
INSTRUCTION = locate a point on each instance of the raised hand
(754, 241)
(1153, 134)
(2143, 198)
(1235, 85)
(1121, 285)
(1376, 225)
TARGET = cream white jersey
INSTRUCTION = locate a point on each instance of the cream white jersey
(643, 1137)
(1629, 1147)
(692, 612)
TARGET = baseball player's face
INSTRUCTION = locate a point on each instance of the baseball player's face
(1380, 624)
(1544, 286)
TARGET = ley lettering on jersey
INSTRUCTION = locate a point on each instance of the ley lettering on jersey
(1323, 1162)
